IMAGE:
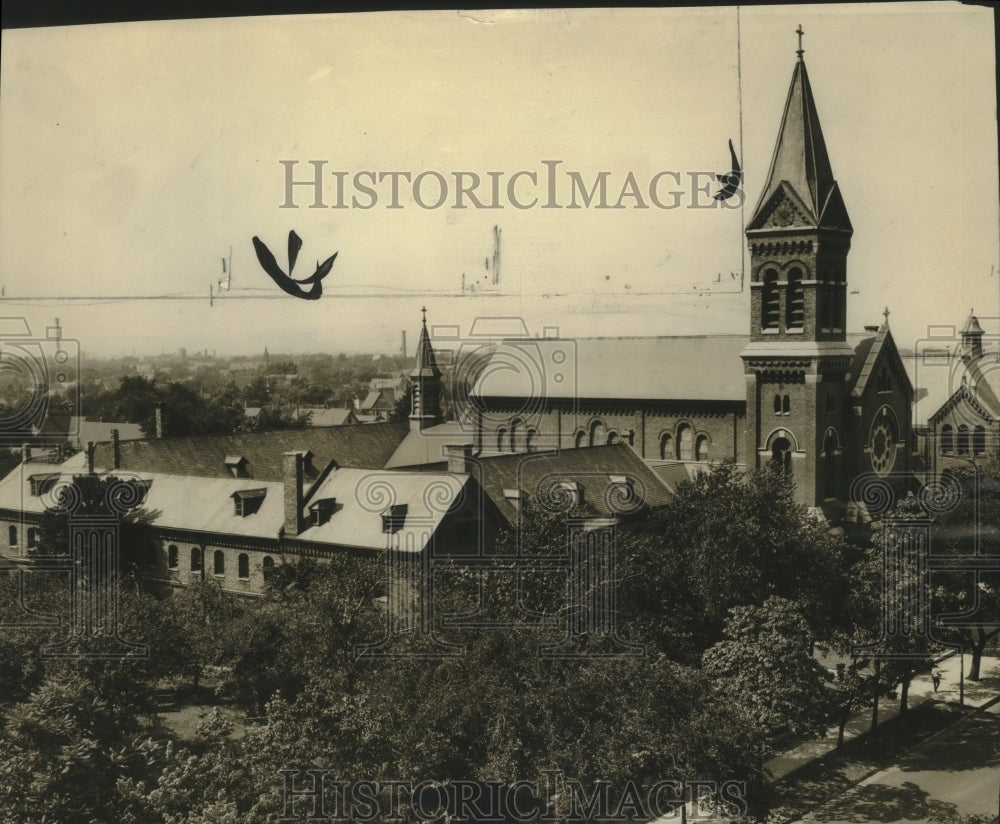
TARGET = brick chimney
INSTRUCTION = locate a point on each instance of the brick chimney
(459, 458)
(292, 476)
(116, 450)
(90, 457)
(159, 419)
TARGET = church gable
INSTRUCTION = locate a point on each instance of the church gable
(834, 213)
(882, 369)
(963, 400)
(784, 209)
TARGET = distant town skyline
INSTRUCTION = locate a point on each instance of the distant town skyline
(134, 156)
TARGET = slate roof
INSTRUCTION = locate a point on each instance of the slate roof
(96, 431)
(367, 447)
(206, 504)
(688, 367)
(535, 474)
(425, 448)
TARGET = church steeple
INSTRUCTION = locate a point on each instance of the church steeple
(800, 233)
(801, 161)
(425, 407)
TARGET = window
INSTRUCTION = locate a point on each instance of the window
(32, 537)
(613, 437)
(786, 405)
(515, 436)
(248, 501)
(581, 439)
(963, 440)
(947, 439)
(777, 404)
(219, 562)
(701, 448)
(501, 439)
(529, 441)
(795, 307)
(830, 465)
(685, 442)
(884, 381)
(172, 556)
(243, 563)
(268, 565)
(40, 484)
(781, 455)
(394, 517)
(770, 301)
(195, 559)
(322, 510)
(666, 450)
(598, 433)
(979, 440)
(12, 532)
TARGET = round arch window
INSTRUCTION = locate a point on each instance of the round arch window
(883, 443)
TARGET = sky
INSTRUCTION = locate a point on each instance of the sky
(134, 156)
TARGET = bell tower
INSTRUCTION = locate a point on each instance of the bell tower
(425, 404)
(797, 359)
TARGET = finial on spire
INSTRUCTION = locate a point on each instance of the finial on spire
(886, 313)
(424, 310)
(799, 32)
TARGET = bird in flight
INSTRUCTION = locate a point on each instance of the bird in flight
(286, 282)
(730, 180)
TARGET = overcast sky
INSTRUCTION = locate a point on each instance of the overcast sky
(133, 156)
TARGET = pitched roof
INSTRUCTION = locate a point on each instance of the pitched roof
(329, 417)
(598, 470)
(425, 448)
(801, 161)
(84, 431)
(867, 354)
(683, 367)
(366, 447)
(426, 365)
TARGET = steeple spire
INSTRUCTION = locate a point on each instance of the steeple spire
(801, 161)
(425, 404)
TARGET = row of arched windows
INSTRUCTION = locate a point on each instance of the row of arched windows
(684, 445)
(782, 405)
(518, 439)
(795, 306)
(950, 443)
(218, 561)
(597, 434)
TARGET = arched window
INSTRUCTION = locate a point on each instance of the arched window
(613, 437)
(795, 308)
(830, 465)
(666, 446)
(515, 436)
(685, 442)
(701, 448)
(501, 439)
(244, 566)
(12, 532)
(219, 562)
(268, 564)
(786, 405)
(770, 300)
(529, 440)
(781, 455)
(979, 440)
(581, 439)
(195, 559)
(598, 433)
(777, 404)
(963, 439)
(947, 439)
(172, 556)
(32, 537)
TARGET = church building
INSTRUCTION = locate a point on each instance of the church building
(795, 389)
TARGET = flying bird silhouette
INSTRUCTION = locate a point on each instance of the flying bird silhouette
(286, 282)
(730, 180)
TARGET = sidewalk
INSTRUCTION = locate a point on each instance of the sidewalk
(977, 693)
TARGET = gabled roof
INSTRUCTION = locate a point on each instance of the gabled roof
(800, 159)
(426, 364)
(424, 448)
(867, 354)
(683, 367)
(535, 475)
(367, 447)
